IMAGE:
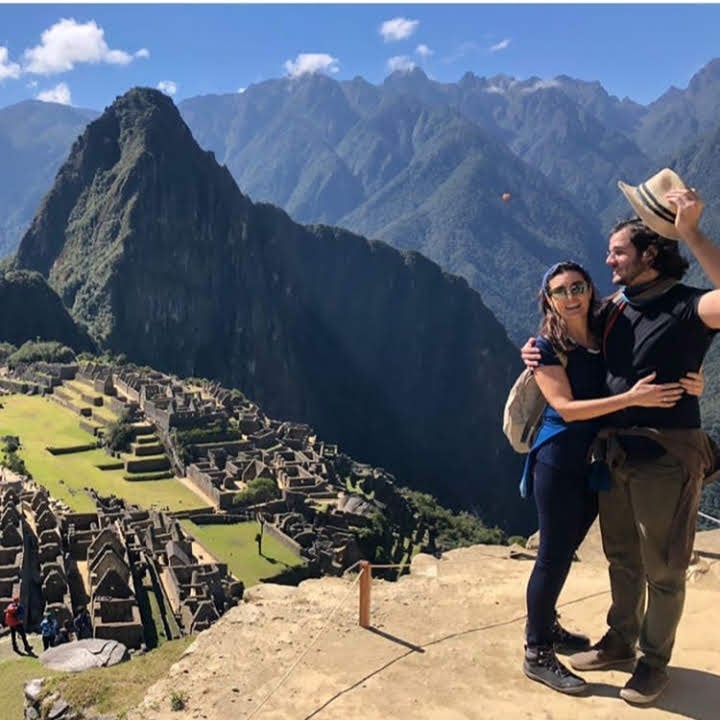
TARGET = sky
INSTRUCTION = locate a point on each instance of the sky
(87, 54)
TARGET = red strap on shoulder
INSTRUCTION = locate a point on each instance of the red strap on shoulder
(618, 305)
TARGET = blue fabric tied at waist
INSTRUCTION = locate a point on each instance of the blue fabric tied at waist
(552, 426)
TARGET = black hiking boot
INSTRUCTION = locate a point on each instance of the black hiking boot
(645, 685)
(541, 664)
(568, 642)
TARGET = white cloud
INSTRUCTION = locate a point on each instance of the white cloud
(308, 63)
(59, 94)
(540, 85)
(7, 69)
(142, 53)
(167, 86)
(424, 51)
(398, 29)
(400, 62)
(241, 90)
(502, 45)
(67, 43)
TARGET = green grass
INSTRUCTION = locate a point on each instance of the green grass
(153, 607)
(76, 388)
(40, 422)
(120, 688)
(15, 671)
(235, 545)
(105, 413)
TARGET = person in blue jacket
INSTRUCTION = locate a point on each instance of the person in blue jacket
(48, 629)
(571, 376)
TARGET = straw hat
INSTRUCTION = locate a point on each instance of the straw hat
(648, 201)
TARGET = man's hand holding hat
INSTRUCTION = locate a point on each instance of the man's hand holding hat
(666, 205)
(670, 208)
(688, 207)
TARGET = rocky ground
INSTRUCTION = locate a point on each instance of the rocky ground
(445, 644)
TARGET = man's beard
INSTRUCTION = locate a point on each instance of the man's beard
(631, 273)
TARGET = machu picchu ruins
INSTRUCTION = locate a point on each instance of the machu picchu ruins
(137, 568)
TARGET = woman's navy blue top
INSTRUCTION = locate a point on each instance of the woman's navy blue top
(564, 445)
(586, 374)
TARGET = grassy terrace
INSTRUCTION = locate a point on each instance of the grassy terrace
(120, 688)
(76, 389)
(15, 671)
(40, 422)
(235, 545)
(106, 690)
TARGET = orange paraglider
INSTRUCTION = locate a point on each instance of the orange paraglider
(505, 197)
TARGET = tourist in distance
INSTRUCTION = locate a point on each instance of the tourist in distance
(14, 618)
(48, 629)
(571, 377)
(64, 633)
(82, 623)
(654, 459)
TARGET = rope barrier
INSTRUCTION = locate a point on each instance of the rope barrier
(708, 517)
(292, 667)
(351, 568)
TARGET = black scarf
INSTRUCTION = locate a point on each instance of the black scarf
(638, 296)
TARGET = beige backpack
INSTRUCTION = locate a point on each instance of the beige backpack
(524, 409)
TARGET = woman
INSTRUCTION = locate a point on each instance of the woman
(571, 377)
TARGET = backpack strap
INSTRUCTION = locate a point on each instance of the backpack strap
(618, 305)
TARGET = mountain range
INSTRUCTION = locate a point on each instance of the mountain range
(424, 165)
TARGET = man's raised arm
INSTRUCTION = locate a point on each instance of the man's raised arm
(689, 207)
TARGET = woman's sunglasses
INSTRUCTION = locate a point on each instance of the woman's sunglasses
(577, 288)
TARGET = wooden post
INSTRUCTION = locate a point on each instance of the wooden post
(365, 582)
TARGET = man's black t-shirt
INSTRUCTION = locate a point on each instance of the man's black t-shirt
(667, 336)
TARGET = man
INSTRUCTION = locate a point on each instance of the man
(14, 619)
(657, 458)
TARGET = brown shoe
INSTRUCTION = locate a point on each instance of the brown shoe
(645, 685)
(610, 651)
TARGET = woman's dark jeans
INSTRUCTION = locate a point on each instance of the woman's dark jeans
(566, 509)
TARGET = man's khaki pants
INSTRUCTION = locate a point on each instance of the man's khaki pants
(635, 519)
